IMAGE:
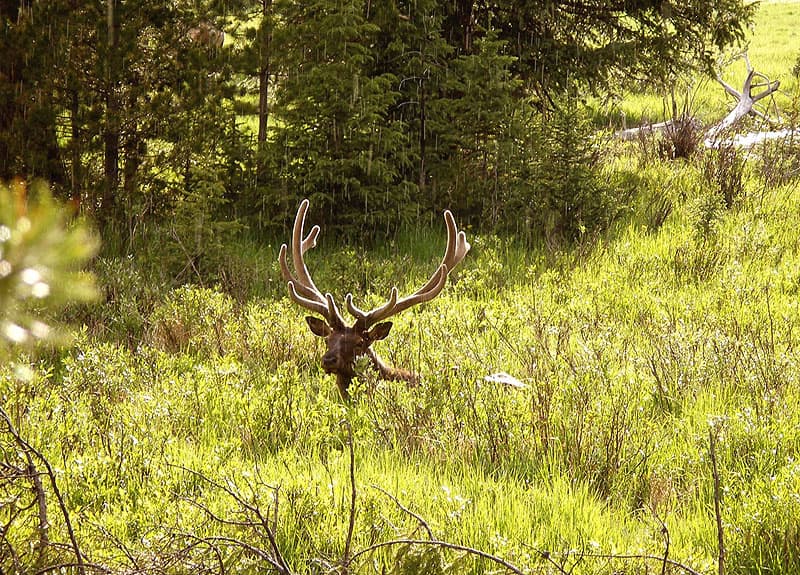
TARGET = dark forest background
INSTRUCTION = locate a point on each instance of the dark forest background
(378, 111)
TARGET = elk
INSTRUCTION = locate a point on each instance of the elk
(347, 342)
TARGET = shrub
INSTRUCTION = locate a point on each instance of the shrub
(39, 254)
(779, 162)
(680, 139)
(566, 191)
(193, 319)
(723, 168)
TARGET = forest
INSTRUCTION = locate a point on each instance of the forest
(600, 377)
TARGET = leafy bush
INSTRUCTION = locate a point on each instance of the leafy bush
(568, 195)
(723, 168)
(195, 320)
(779, 162)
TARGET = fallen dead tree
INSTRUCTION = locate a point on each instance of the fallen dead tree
(751, 139)
(632, 134)
(746, 102)
(716, 135)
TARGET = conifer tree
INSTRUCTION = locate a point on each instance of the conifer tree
(333, 135)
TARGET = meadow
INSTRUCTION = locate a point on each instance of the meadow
(647, 419)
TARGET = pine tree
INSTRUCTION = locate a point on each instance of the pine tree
(334, 137)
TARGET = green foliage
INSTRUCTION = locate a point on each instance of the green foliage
(409, 559)
(723, 167)
(623, 353)
(470, 122)
(334, 140)
(193, 320)
(379, 112)
(576, 198)
(768, 512)
(566, 194)
(40, 257)
(779, 162)
(128, 298)
(198, 228)
(622, 43)
(566, 395)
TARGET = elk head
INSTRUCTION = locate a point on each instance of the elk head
(347, 342)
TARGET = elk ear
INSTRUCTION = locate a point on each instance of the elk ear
(380, 331)
(318, 327)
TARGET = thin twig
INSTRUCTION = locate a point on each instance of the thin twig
(717, 500)
(548, 557)
(277, 559)
(444, 544)
(205, 541)
(406, 510)
(665, 534)
(353, 494)
(189, 258)
(257, 551)
(213, 515)
(41, 503)
(54, 484)
(670, 562)
(61, 567)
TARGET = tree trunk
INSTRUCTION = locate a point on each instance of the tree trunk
(111, 138)
(265, 48)
(76, 167)
(746, 101)
(134, 151)
(422, 140)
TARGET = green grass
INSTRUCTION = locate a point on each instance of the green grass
(631, 350)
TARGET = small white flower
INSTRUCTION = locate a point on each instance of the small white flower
(40, 290)
(30, 276)
(40, 329)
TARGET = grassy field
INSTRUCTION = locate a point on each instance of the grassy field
(219, 427)
(194, 431)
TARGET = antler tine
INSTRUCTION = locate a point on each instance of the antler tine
(302, 288)
(457, 244)
(457, 248)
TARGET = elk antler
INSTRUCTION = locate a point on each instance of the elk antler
(303, 291)
(301, 288)
(457, 248)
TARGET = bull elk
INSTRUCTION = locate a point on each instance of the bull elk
(346, 343)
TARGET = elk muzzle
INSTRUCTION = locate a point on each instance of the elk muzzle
(343, 348)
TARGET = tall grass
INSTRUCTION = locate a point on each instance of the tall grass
(191, 429)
